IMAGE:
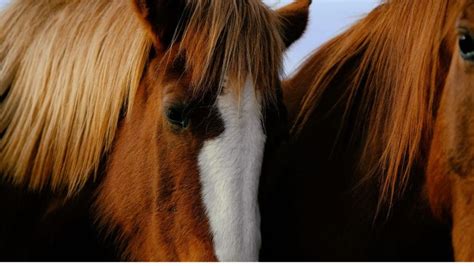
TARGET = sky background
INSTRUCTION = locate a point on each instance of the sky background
(327, 19)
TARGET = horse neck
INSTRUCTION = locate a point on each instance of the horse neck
(377, 89)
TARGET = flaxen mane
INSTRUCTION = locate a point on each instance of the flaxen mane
(403, 55)
(68, 68)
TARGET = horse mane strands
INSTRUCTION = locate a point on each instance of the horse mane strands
(235, 40)
(400, 46)
(67, 69)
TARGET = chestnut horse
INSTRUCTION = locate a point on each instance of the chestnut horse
(451, 163)
(349, 184)
(139, 124)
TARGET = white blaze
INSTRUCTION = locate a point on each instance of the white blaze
(230, 169)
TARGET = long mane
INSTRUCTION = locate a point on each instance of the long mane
(402, 54)
(69, 68)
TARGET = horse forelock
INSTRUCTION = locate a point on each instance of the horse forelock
(400, 47)
(231, 41)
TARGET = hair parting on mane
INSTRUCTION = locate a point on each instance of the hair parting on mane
(398, 76)
(68, 68)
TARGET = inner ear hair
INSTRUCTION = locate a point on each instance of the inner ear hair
(294, 20)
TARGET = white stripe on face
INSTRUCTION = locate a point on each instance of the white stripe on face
(230, 169)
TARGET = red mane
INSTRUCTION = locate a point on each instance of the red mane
(403, 50)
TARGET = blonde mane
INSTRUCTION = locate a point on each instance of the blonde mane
(68, 68)
(402, 57)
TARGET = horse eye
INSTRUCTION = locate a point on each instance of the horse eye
(466, 46)
(177, 115)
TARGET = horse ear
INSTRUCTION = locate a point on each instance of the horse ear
(165, 19)
(294, 19)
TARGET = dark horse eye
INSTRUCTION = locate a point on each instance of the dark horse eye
(177, 115)
(466, 46)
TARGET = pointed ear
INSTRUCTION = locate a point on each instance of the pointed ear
(164, 19)
(294, 19)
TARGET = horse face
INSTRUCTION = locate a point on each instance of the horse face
(451, 164)
(182, 180)
(208, 156)
(229, 155)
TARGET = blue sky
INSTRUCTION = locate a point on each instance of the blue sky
(327, 18)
